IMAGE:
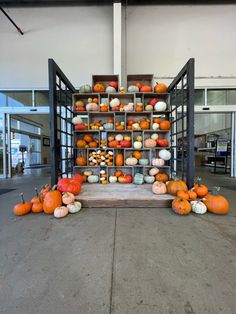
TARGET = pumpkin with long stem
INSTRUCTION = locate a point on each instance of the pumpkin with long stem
(215, 203)
(45, 189)
(37, 204)
(22, 208)
(199, 188)
(52, 200)
(181, 206)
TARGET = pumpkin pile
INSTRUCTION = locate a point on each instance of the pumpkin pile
(138, 124)
(104, 107)
(139, 107)
(58, 200)
(99, 125)
(116, 105)
(138, 142)
(198, 199)
(154, 141)
(90, 105)
(119, 141)
(79, 124)
(89, 177)
(161, 124)
(103, 177)
(87, 141)
(120, 125)
(101, 158)
(111, 87)
(138, 87)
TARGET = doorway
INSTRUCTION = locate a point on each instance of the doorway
(29, 129)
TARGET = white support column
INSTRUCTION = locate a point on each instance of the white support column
(233, 145)
(117, 40)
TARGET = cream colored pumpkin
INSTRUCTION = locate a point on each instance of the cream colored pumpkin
(149, 108)
(88, 173)
(155, 126)
(137, 145)
(149, 143)
(112, 179)
(159, 188)
(77, 120)
(92, 106)
(154, 171)
(131, 161)
(165, 154)
(154, 136)
(67, 198)
(158, 162)
(61, 212)
(114, 102)
(119, 137)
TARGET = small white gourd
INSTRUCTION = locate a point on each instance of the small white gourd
(155, 126)
(137, 145)
(114, 102)
(112, 179)
(77, 120)
(154, 136)
(198, 207)
(119, 137)
(74, 207)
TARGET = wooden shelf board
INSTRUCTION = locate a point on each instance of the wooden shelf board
(122, 195)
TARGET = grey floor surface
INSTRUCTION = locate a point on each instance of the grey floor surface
(121, 261)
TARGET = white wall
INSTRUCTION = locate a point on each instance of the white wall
(79, 39)
(160, 39)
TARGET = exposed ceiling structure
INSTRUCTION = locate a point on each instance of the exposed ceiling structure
(21, 3)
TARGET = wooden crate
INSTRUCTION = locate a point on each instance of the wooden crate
(144, 79)
(104, 79)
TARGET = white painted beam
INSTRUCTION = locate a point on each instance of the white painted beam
(117, 40)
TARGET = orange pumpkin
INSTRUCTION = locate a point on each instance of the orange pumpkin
(165, 125)
(139, 109)
(37, 205)
(176, 185)
(95, 100)
(99, 88)
(182, 194)
(144, 125)
(22, 208)
(120, 127)
(85, 178)
(45, 189)
(88, 138)
(160, 88)
(104, 109)
(119, 160)
(157, 120)
(215, 203)
(113, 144)
(192, 195)
(139, 85)
(118, 173)
(162, 177)
(146, 89)
(199, 188)
(53, 199)
(93, 144)
(81, 161)
(181, 206)
(81, 143)
(137, 154)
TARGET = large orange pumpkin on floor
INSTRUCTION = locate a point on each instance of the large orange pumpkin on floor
(176, 185)
(160, 88)
(22, 208)
(181, 206)
(215, 203)
(81, 161)
(52, 200)
(99, 88)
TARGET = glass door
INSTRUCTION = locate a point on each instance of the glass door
(35, 151)
(2, 144)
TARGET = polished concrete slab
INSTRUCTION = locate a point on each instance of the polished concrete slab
(116, 260)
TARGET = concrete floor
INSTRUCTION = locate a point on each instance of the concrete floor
(121, 261)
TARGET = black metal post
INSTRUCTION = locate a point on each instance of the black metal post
(11, 20)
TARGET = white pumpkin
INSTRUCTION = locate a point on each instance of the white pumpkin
(114, 102)
(137, 145)
(129, 107)
(102, 171)
(155, 126)
(110, 89)
(88, 173)
(77, 120)
(119, 137)
(198, 207)
(158, 162)
(133, 89)
(61, 212)
(160, 106)
(136, 126)
(154, 171)
(74, 207)
(154, 136)
(112, 179)
(165, 154)
(131, 161)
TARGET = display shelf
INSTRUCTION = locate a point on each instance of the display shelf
(105, 79)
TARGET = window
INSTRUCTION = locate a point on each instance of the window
(41, 98)
(216, 97)
(199, 97)
(15, 98)
(231, 96)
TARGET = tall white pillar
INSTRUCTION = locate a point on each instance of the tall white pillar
(233, 145)
(117, 39)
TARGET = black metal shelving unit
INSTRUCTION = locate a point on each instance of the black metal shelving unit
(181, 92)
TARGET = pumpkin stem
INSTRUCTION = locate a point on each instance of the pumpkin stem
(198, 180)
(54, 187)
(216, 190)
(22, 198)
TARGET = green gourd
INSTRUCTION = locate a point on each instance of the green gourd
(138, 178)
(143, 161)
(93, 179)
(85, 89)
(110, 89)
(108, 126)
(133, 89)
(149, 179)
